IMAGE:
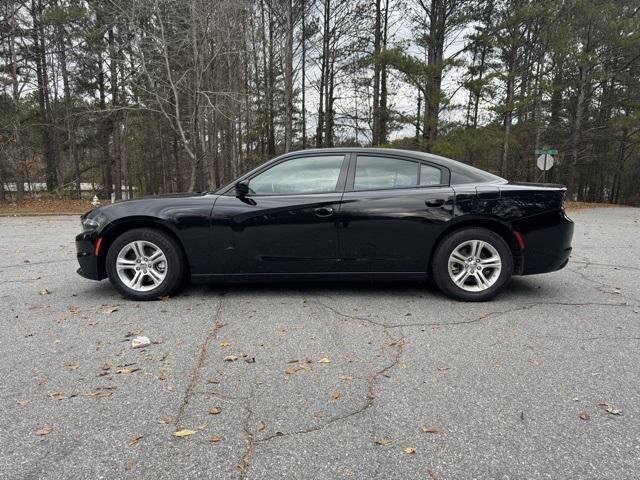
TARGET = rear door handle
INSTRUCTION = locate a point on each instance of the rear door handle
(434, 202)
(324, 212)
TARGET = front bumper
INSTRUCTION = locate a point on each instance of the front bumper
(547, 239)
(90, 265)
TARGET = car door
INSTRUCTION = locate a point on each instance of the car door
(392, 211)
(287, 222)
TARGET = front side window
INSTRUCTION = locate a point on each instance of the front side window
(300, 175)
(381, 172)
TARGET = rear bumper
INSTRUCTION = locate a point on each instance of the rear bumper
(547, 238)
(90, 266)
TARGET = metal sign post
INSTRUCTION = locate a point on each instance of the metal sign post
(545, 160)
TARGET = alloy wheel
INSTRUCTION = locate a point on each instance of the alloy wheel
(141, 265)
(474, 265)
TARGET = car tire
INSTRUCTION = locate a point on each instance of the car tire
(145, 264)
(465, 268)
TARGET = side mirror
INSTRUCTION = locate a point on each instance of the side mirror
(242, 189)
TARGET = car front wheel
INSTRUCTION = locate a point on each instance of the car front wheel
(145, 264)
(473, 264)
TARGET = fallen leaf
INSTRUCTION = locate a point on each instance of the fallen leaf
(250, 360)
(324, 360)
(110, 310)
(135, 440)
(584, 415)
(384, 441)
(23, 402)
(44, 431)
(183, 433)
(230, 358)
(127, 370)
(261, 426)
(57, 395)
(215, 438)
(44, 292)
(72, 366)
(74, 308)
(98, 394)
(409, 450)
(225, 344)
(165, 298)
(443, 369)
(335, 395)
(292, 370)
(432, 430)
(215, 410)
(130, 465)
(613, 410)
(166, 420)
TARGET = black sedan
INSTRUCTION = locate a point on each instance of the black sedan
(334, 214)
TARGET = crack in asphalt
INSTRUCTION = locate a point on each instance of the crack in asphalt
(252, 442)
(484, 316)
(204, 352)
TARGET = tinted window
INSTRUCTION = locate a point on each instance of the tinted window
(299, 175)
(430, 175)
(381, 172)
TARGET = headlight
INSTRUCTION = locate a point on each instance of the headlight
(91, 224)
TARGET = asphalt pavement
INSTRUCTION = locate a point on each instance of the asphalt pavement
(321, 381)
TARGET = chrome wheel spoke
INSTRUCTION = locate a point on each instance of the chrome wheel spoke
(156, 257)
(155, 276)
(138, 249)
(491, 262)
(461, 278)
(126, 264)
(482, 280)
(136, 280)
(458, 257)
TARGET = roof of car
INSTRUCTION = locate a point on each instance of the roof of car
(469, 173)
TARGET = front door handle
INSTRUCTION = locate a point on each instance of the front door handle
(324, 212)
(434, 202)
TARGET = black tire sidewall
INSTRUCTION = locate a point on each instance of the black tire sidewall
(173, 254)
(440, 267)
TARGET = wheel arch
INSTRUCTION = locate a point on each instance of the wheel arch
(493, 224)
(118, 227)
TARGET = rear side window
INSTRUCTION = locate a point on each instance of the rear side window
(385, 173)
(382, 172)
(430, 175)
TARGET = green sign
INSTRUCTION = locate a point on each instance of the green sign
(546, 151)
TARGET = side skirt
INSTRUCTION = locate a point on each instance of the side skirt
(311, 277)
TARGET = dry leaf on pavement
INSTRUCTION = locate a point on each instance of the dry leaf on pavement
(134, 440)
(184, 433)
(584, 415)
(215, 438)
(432, 430)
(44, 431)
(214, 410)
(324, 360)
(335, 395)
(230, 358)
(383, 441)
(409, 450)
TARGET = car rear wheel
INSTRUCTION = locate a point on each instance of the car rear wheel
(473, 264)
(145, 264)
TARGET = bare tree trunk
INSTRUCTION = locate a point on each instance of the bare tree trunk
(303, 40)
(377, 34)
(288, 77)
